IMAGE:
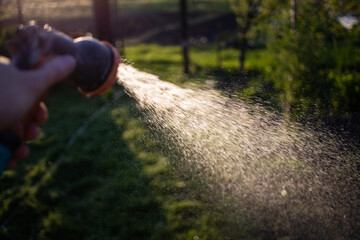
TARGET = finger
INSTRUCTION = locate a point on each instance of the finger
(20, 153)
(51, 72)
(42, 114)
(19, 129)
(57, 69)
(12, 164)
(31, 132)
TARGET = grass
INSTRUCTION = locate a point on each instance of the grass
(166, 62)
(113, 183)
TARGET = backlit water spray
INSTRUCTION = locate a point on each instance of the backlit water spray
(251, 163)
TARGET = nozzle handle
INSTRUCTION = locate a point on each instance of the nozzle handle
(11, 139)
(9, 142)
(5, 156)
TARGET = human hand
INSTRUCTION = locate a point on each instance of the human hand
(29, 132)
(21, 90)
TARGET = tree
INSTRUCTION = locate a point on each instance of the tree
(246, 11)
(252, 15)
(315, 59)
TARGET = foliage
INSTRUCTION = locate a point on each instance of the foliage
(316, 65)
(251, 17)
(245, 12)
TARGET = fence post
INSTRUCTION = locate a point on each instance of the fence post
(102, 20)
(184, 35)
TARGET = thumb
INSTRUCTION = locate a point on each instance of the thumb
(53, 71)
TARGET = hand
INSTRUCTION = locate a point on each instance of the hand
(19, 92)
(30, 132)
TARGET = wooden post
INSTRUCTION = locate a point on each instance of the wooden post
(119, 36)
(243, 49)
(102, 20)
(20, 15)
(218, 46)
(184, 35)
(218, 53)
(1, 12)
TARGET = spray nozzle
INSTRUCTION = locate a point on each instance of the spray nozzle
(97, 61)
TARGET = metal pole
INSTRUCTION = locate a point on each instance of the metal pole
(184, 35)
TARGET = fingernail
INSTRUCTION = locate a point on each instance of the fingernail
(42, 114)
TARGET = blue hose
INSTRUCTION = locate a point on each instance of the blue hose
(5, 156)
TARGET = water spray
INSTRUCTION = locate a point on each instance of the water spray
(95, 73)
(285, 179)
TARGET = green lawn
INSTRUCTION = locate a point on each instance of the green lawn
(112, 183)
(166, 61)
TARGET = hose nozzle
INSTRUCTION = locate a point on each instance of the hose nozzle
(97, 61)
(95, 72)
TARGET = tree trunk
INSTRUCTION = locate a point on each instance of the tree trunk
(251, 14)
(1, 15)
(218, 53)
(289, 92)
(102, 20)
(293, 14)
(243, 49)
(218, 47)
(244, 41)
(20, 15)
(120, 42)
(184, 35)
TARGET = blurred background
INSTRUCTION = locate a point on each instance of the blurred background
(303, 57)
(298, 58)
